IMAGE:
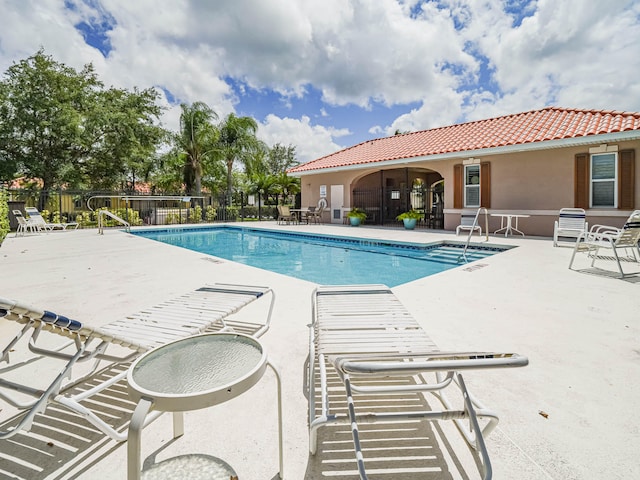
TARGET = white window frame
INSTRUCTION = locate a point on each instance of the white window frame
(615, 180)
(468, 186)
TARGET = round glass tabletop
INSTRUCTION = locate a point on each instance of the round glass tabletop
(197, 372)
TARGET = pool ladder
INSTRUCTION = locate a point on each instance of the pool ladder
(475, 224)
(102, 213)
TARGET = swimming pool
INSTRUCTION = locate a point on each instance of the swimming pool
(320, 258)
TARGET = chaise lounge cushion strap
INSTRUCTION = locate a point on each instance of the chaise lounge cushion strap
(61, 321)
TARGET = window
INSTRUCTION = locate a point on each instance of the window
(472, 186)
(604, 180)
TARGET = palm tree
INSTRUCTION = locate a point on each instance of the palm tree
(237, 140)
(263, 184)
(196, 141)
(287, 185)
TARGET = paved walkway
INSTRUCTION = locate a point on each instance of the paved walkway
(571, 414)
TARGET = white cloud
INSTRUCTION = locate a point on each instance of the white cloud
(311, 141)
(451, 60)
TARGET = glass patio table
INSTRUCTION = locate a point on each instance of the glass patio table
(509, 228)
(190, 374)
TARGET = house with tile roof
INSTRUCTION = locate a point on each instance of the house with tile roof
(532, 163)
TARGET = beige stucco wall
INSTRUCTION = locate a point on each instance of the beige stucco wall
(535, 183)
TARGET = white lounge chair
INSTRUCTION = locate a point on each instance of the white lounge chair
(571, 222)
(363, 335)
(466, 223)
(24, 225)
(624, 240)
(205, 309)
(42, 224)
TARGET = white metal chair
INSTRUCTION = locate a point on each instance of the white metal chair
(571, 222)
(205, 309)
(466, 223)
(624, 240)
(363, 335)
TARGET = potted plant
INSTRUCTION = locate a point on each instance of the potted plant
(356, 216)
(410, 218)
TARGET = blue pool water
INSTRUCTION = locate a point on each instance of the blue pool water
(322, 259)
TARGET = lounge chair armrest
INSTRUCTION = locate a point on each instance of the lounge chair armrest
(441, 361)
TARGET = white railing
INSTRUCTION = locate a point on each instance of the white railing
(102, 213)
(474, 225)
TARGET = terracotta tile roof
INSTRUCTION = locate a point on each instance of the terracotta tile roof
(551, 123)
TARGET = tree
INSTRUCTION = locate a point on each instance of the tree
(197, 142)
(237, 140)
(281, 159)
(63, 127)
(287, 185)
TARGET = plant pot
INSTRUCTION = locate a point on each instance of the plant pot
(354, 221)
(409, 223)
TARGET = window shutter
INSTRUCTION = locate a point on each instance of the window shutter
(458, 174)
(581, 181)
(485, 184)
(626, 179)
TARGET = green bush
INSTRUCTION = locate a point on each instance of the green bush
(195, 214)
(210, 213)
(4, 215)
(86, 219)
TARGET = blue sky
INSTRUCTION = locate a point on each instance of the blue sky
(327, 74)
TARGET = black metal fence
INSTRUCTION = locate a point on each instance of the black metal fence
(383, 205)
(137, 209)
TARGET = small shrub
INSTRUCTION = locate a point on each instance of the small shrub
(195, 214)
(4, 215)
(210, 213)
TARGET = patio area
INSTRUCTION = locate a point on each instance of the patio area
(571, 414)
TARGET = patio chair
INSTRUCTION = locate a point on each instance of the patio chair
(623, 243)
(571, 222)
(317, 214)
(363, 335)
(310, 214)
(285, 215)
(24, 225)
(42, 224)
(466, 223)
(205, 309)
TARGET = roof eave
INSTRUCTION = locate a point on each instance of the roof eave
(521, 147)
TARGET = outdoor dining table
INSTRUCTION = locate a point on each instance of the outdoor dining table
(507, 224)
(190, 374)
(298, 212)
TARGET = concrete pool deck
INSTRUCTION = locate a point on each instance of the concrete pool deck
(580, 330)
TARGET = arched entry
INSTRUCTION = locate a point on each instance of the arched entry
(387, 193)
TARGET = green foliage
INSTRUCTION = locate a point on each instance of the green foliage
(281, 159)
(4, 215)
(86, 219)
(63, 127)
(410, 214)
(232, 213)
(236, 142)
(196, 143)
(195, 214)
(210, 213)
(128, 214)
(357, 213)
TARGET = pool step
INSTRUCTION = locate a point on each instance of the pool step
(452, 255)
